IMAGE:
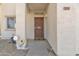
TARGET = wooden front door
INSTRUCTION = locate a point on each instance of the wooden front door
(39, 27)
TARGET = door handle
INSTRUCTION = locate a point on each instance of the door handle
(38, 27)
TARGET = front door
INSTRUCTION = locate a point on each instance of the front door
(39, 27)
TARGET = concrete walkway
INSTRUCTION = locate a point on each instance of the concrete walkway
(9, 49)
(38, 48)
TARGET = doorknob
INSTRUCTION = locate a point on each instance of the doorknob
(38, 27)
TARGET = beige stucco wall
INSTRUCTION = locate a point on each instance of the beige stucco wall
(30, 26)
(21, 20)
(66, 34)
(77, 27)
(64, 27)
(52, 26)
(8, 9)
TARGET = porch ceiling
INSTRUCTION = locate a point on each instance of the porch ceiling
(37, 8)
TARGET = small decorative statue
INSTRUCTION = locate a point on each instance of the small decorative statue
(20, 43)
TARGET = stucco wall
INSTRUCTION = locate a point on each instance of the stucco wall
(30, 26)
(66, 35)
(8, 9)
(52, 26)
(77, 27)
(21, 20)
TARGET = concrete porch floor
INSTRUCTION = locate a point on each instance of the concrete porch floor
(39, 48)
(36, 48)
(9, 49)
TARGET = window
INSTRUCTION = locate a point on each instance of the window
(11, 22)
